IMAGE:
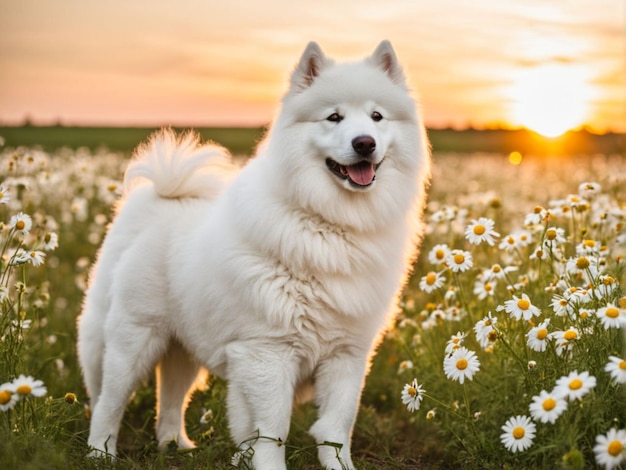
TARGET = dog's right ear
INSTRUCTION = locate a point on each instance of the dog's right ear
(311, 64)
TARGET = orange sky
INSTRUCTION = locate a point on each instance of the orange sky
(548, 65)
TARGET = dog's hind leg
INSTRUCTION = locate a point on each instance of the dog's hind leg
(91, 351)
(177, 377)
(131, 351)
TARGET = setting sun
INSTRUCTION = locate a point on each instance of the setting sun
(551, 99)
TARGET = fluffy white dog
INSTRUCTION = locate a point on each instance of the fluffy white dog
(276, 277)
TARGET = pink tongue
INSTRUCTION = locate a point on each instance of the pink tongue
(361, 173)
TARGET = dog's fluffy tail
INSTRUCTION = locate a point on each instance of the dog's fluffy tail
(179, 166)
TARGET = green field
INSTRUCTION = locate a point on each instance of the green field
(67, 182)
(242, 141)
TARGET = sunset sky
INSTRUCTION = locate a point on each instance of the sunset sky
(547, 65)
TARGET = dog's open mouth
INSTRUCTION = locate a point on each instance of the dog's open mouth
(360, 174)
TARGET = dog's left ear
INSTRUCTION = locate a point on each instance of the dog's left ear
(311, 64)
(385, 58)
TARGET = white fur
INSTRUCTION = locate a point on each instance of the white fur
(273, 277)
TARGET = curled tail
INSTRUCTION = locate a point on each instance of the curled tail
(180, 166)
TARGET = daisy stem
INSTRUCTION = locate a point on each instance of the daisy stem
(521, 362)
(444, 406)
(462, 297)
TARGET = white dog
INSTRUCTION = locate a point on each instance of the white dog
(277, 277)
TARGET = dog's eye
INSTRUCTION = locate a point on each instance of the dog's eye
(376, 116)
(335, 117)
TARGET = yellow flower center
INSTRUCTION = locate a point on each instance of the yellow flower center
(496, 268)
(412, 391)
(570, 335)
(549, 404)
(622, 365)
(582, 263)
(537, 209)
(20, 224)
(439, 254)
(551, 234)
(479, 229)
(461, 364)
(612, 312)
(523, 304)
(70, 398)
(5, 397)
(488, 287)
(589, 243)
(615, 448)
(542, 334)
(510, 240)
(518, 432)
(24, 389)
(459, 258)
(431, 278)
(575, 384)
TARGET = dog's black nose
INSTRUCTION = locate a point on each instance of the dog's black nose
(364, 145)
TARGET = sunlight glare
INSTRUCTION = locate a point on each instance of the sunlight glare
(551, 99)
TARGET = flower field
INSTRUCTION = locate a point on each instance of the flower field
(508, 351)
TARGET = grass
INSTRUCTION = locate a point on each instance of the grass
(70, 192)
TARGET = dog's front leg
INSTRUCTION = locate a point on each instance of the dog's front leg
(338, 384)
(260, 398)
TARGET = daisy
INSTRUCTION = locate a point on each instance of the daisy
(432, 281)
(521, 308)
(515, 240)
(565, 339)
(617, 368)
(538, 336)
(4, 195)
(27, 386)
(8, 397)
(21, 222)
(575, 385)
(498, 272)
(459, 260)
(484, 287)
(412, 395)
(36, 257)
(612, 316)
(605, 288)
(547, 407)
(405, 365)
(518, 434)
(485, 330)
(207, 415)
(50, 241)
(539, 253)
(609, 448)
(454, 342)
(481, 230)
(536, 217)
(461, 364)
(561, 306)
(554, 237)
(588, 190)
(438, 254)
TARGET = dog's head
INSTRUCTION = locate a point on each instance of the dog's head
(349, 128)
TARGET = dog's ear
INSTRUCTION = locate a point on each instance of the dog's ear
(385, 58)
(311, 64)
